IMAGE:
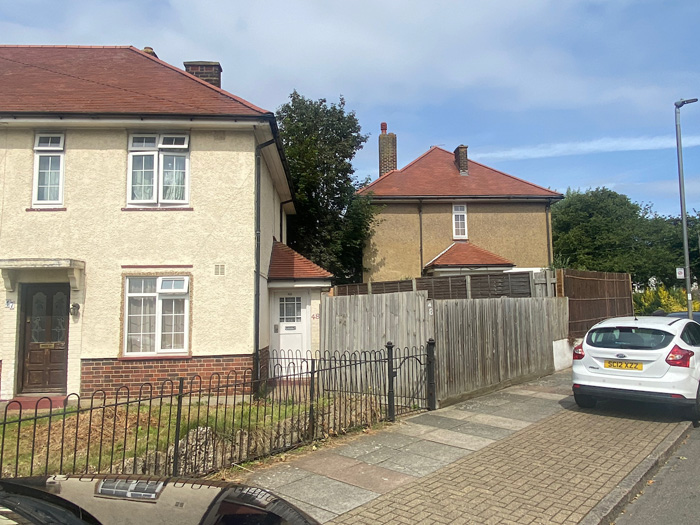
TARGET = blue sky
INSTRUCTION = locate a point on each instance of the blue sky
(563, 93)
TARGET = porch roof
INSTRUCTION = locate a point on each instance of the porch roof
(74, 268)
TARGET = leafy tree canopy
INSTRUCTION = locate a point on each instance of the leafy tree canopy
(602, 230)
(332, 223)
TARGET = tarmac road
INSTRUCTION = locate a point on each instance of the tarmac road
(672, 496)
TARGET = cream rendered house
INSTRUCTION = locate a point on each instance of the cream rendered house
(139, 207)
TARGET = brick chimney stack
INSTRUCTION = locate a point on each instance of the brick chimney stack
(461, 159)
(387, 151)
(207, 71)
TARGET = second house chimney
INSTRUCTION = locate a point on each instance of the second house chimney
(387, 151)
(461, 160)
(207, 71)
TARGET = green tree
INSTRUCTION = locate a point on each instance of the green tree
(332, 223)
(602, 230)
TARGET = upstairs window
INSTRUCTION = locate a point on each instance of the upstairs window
(48, 169)
(459, 221)
(158, 169)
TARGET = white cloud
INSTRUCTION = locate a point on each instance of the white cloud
(603, 145)
(534, 54)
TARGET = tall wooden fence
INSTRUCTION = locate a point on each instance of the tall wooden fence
(480, 343)
(594, 296)
(502, 284)
(483, 343)
(366, 322)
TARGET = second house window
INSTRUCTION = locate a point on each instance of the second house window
(459, 221)
(158, 169)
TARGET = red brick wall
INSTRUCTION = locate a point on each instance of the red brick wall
(111, 374)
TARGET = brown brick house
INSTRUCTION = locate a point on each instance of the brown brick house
(444, 214)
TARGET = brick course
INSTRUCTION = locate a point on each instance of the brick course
(111, 374)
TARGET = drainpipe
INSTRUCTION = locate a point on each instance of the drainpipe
(256, 295)
(420, 233)
(547, 217)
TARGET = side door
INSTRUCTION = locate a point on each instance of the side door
(44, 355)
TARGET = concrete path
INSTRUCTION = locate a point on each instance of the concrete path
(525, 454)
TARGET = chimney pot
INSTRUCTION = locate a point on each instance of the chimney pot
(387, 151)
(207, 71)
(149, 50)
(461, 159)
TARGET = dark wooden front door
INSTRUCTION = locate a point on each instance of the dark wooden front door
(45, 325)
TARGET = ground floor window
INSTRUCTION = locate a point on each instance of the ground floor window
(156, 319)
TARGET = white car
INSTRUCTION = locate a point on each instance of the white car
(654, 359)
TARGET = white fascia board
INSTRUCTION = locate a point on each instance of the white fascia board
(307, 283)
(465, 270)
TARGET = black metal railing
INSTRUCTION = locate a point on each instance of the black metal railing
(191, 427)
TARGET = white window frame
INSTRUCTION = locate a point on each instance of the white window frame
(459, 209)
(158, 151)
(160, 294)
(41, 151)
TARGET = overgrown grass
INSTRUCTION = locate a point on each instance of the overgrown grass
(140, 437)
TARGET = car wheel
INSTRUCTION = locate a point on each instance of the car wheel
(585, 401)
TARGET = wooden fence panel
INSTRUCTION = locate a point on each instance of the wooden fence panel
(366, 322)
(482, 343)
(594, 296)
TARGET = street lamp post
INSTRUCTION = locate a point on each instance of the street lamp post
(681, 183)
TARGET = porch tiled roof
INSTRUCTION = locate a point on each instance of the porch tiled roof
(286, 264)
(435, 174)
(466, 253)
(107, 80)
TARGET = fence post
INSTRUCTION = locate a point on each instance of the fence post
(391, 374)
(312, 394)
(430, 371)
(178, 419)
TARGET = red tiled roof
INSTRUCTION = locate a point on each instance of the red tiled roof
(465, 253)
(107, 80)
(435, 174)
(286, 264)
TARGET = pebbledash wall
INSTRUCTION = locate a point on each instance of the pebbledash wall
(516, 231)
(95, 225)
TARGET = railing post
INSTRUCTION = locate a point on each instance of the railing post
(178, 419)
(430, 372)
(391, 373)
(312, 395)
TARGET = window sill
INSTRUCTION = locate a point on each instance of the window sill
(158, 209)
(151, 357)
(45, 209)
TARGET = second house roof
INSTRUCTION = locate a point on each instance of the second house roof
(435, 174)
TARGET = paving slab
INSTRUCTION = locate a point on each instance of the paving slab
(523, 455)
(327, 494)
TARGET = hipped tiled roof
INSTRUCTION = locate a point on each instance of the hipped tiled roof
(466, 253)
(435, 174)
(107, 80)
(286, 264)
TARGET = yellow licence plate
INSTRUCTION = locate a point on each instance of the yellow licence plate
(623, 365)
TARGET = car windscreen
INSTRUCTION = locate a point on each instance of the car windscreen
(629, 337)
